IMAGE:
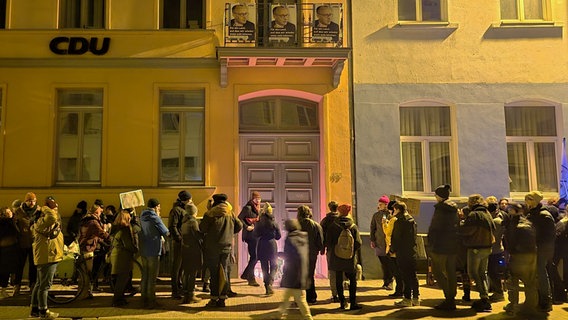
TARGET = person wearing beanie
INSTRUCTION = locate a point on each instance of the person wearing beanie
(379, 223)
(75, 221)
(325, 222)
(191, 252)
(267, 232)
(392, 261)
(219, 225)
(443, 245)
(25, 216)
(150, 241)
(315, 244)
(545, 228)
(249, 216)
(347, 267)
(175, 220)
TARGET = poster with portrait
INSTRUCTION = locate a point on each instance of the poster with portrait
(240, 22)
(131, 199)
(327, 26)
(283, 22)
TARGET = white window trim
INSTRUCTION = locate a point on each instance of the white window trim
(546, 14)
(443, 15)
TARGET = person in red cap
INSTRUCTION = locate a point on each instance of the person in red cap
(379, 241)
(341, 265)
(249, 216)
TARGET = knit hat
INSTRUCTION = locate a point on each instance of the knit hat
(184, 195)
(99, 202)
(390, 206)
(443, 191)
(267, 208)
(384, 199)
(534, 195)
(220, 197)
(50, 202)
(344, 209)
(30, 196)
(255, 194)
(82, 205)
(153, 202)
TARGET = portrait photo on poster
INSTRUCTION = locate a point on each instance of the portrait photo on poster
(327, 23)
(242, 24)
(283, 21)
(131, 199)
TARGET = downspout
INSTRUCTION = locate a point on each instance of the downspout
(351, 116)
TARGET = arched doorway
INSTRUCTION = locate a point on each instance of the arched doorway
(279, 156)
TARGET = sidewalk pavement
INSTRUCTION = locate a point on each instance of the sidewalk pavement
(251, 303)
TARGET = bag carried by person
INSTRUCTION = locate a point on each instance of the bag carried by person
(344, 248)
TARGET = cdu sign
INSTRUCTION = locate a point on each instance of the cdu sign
(78, 45)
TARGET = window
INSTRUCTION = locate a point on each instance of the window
(182, 136)
(278, 114)
(79, 137)
(422, 10)
(182, 14)
(524, 10)
(531, 147)
(426, 143)
(82, 14)
(2, 14)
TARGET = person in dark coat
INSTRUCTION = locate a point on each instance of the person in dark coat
(191, 252)
(74, 222)
(219, 224)
(249, 216)
(26, 214)
(560, 280)
(315, 241)
(9, 248)
(295, 274)
(325, 222)
(545, 227)
(124, 249)
(443, 245)
(267, 232)
(403, 245)
(344, 266)
(174, 225)
(378, 242)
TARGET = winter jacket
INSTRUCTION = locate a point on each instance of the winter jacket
(545, 227)
(249, 216)
(478, 229)
(25, 218)
(151, 233)
(315, 236)
(123, 250)
(9, 247)
(443, 230)
(47, 250)
(74, 223)
(295, 273)
(267, 232)
(91, 233)
(378, 236)
(497, 247)
(325, 222)
(403, 240)
(175, 220)
(219, 224)
(332, 236)
(191, 244)
(519, 240)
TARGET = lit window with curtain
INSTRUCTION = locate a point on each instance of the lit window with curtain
(182, 14)
(88, 14)
(525, 10)
(182, 136)
(426, 144)
(79, 135)
(532, 143)
(422, 10)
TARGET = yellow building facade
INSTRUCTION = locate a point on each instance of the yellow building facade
(104, 97)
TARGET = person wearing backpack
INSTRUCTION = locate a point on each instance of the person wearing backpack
(343, 240)
(520, 243)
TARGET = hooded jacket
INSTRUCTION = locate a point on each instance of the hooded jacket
(332, 236)
(443, 230)
(315, 236)
(545, 227)
(249, 216)
(219, 224)
(295, 271)
(150, 237)
(47, 250)
(267, 232)
(91, 233)
(191, 244)
(325, 222)
(176, 218)
(478, 228)
(378, 227)
(403, 239)
(25, 217)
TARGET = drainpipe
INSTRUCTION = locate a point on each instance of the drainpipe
(351, 114)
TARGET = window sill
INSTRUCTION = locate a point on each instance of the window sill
(523, 30)
(526, 24)
(411, 25)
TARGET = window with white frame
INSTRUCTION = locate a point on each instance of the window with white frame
(426, 145)
(532, 144)
(82, 14)
(182, 14)
(422, 10)
(524, 10)
(182, 136)
(79, 135)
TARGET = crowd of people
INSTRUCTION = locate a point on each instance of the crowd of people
(490, 243)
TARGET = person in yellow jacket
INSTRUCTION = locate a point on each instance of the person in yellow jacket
(48, 251)
(392, 264)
